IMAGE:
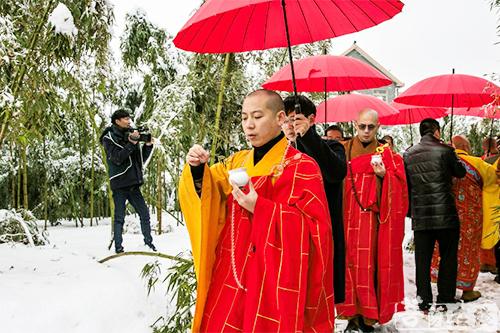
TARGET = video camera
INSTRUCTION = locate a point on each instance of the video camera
(144, 134)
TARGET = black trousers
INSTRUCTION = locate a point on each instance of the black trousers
(447, 279)
(134, 196)
(497, 256)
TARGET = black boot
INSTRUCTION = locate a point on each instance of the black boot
(363, 327)
(352, 326)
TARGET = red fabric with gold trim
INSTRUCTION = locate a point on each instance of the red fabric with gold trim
(374, 239)
(469, 201)
(283, 257)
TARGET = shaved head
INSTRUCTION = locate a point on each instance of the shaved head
(461, 142)
(367, 125)
(368, 113)
(273, 101)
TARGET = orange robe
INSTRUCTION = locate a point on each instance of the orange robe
(374, 260)
(283, 253)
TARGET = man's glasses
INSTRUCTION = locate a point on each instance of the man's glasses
(362, 127)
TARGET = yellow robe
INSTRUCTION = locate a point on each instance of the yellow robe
(205, 217)
(491, 191)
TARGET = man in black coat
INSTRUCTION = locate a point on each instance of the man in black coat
(330, 156)
(125, 157)
(430, 166)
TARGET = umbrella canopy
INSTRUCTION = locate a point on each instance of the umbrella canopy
(347, 107)
(411, 114)
(491, 112)
(222, 26)
(451, 90)
(327, 73)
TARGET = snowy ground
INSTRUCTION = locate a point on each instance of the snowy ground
(62, 288)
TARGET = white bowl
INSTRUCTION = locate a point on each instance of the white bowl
(239, 177)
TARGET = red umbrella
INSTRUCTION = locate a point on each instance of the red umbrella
(222, 26)
(411, 114)
(491, 112)
(327, 73)
(347, 107)
(451, 90)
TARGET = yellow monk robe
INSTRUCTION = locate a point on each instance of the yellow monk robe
(268, 266)
(491, 199)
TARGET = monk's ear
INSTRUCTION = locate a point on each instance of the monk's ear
(281, 117)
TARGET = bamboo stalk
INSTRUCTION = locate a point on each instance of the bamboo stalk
(141, 253)
(45, 190)
(92, 181)
(22, 71)
(25, 176)
(19, 166)
(220, 100)
(158, 194)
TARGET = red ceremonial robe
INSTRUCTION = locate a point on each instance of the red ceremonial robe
(282, 254)
(374, 256)
(469, 202)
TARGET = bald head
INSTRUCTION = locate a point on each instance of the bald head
(369, 114)
(273, 100)
(367, 125)
(461, 142)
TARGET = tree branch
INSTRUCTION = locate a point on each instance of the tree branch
(142, 253)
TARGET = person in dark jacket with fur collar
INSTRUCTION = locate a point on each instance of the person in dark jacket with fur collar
(125, 157)
(430, 166)
(330, 156)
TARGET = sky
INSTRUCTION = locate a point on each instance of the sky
(429, 37)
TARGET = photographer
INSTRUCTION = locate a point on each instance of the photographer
(125, 156)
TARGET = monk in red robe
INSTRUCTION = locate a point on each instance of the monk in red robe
(375, 206)
(263, 251)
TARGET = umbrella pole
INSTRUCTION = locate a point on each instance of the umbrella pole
(326, 106)
(451, 124)
(297, 104)
(411, 135)
(491, 135)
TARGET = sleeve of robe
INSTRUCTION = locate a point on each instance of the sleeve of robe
(393, 209)
(282, 221)
(204, 234)
(491, 192)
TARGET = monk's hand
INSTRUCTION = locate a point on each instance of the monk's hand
(379, 169)
(197, 155)
(247, 200)
(301, 124)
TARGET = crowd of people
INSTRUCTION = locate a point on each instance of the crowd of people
(312, 228)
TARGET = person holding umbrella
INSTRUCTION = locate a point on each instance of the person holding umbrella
(330, 156)
(260, 231)
(375, 206)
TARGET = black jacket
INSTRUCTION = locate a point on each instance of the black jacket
(330, 156)
(430, 166)
(124, 159)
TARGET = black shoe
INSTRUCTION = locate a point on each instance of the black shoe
(441, 308)
(497, 278)
(424, 307)
(151, 246)
(119, 250)
(363, 327)
(352, 326)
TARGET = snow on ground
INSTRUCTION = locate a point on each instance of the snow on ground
(62, 288)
